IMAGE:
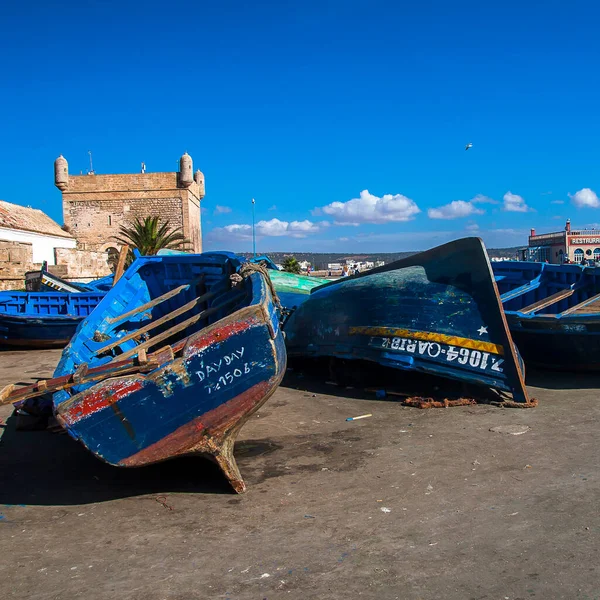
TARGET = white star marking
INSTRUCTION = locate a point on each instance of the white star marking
(482, 330)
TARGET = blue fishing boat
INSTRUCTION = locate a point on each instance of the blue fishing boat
(435, 312)
(172, 362)
(44, 319)
(553, 312)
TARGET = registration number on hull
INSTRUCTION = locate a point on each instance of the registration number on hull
(475, 359)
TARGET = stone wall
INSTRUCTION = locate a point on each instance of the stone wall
(81, 265)
(74, 265)
(95, 206)
(16, 258)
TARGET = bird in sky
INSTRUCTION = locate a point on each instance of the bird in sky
(469, 145)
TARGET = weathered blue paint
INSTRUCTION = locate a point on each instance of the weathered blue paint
(43, 319)
(102, 285)
(553, 312)
(435, 312)
(223, 367)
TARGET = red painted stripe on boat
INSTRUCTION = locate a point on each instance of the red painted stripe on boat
(204, 433)
(220, 334)
(104, 395)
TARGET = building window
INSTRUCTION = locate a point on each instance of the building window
(109, 220)
(588, 252)
(579, 255)
(596, 253)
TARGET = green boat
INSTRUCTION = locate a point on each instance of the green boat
(292, 289)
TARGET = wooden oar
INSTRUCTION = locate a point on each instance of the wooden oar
(116, 368)
(12, 394)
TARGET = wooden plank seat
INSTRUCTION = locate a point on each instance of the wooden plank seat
(164, 319)
(591, 305)
(544, 302)
(179, 327)
(167, 296)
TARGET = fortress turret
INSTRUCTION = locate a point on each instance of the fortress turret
(185, 170)
(61, 173)
(199, 179)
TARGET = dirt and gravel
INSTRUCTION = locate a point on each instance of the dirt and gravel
(464, 503)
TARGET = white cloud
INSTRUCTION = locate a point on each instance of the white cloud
(472, 227)
(557, 202)
(455, 210)
(274, 207)
(221, 210)
(482, 199)
(272, 228)
(514, 203)
(585, 197)
(371, 209)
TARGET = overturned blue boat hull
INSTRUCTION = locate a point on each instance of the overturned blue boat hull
(44, 319)
(436, 312)
(553, 312)
(210, 352)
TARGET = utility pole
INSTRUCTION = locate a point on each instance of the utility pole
(253, 234)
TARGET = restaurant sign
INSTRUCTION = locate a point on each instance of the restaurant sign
(582, 240)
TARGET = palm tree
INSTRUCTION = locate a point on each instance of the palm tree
(291, 265)
(148, 236)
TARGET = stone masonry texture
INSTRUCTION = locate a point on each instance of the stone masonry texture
(95, 206)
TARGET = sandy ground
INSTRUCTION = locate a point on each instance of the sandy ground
(408, 504)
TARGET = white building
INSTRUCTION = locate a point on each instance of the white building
(27, 225)
(334, 266)
(360, 265)
(304, 264)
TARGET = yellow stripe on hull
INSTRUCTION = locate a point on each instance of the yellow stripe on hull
(429, 336)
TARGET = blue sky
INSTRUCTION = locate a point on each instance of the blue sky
(306, 106)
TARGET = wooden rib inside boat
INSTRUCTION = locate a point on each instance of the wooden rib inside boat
(553, 312)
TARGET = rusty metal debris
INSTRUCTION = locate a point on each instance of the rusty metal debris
(163, 500)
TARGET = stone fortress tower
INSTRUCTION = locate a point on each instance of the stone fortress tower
(95, 206)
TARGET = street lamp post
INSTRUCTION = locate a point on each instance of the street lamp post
(253, 235)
